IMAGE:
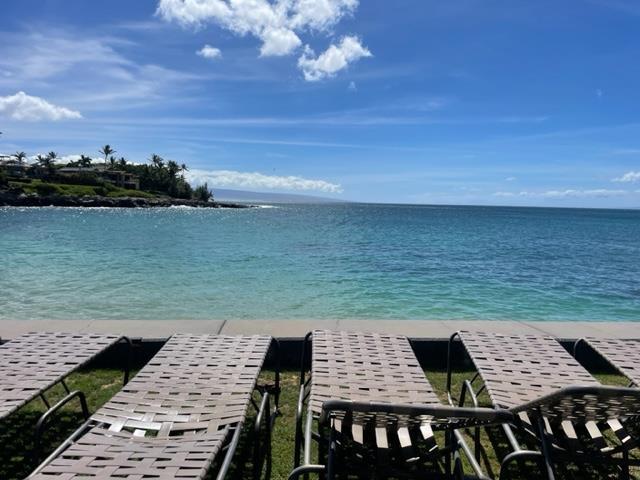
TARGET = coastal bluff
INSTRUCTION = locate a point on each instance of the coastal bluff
(10, 199)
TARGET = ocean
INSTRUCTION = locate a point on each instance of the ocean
(337, 261)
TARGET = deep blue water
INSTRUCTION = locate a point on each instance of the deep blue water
(324, 261)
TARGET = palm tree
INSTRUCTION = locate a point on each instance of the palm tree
(84, 161)
(48, 162)
(122, 162)
(20, 157)
(106, 151)
(112, 162)
(157, 161)
(172, 168)
(183, 168)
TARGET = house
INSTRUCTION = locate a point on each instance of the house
(12, 167)
(118, 178)
(121, 179)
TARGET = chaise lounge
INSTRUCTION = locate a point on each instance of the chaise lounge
(33, 363)
(553, 397)
(183, 412)
(369, 391)
(621, 354)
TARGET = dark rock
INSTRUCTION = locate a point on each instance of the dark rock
(13, 198)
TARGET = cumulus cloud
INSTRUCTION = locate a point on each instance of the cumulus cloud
(255, 180)
(569, 193)
(335, 58)
(278, 42)
(629, 177)
(277, 24)
(209, 52)
(28, 108)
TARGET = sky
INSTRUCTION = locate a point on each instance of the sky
(412, 101)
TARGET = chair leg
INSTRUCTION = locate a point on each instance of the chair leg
(447, 458)
(626, 475)
(331, 454)
(546, 450)
(322, 448)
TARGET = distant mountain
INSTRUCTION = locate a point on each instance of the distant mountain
(242, 196)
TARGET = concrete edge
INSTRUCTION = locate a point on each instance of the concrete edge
(417, 329)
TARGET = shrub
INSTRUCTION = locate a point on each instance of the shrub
(130, 193)
(202, 193)
(86, 178)
(46, 189)
(3, 179)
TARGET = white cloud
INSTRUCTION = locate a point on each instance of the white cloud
(629, 177)
(278, 42)
(569, 193)
(92, 72)
(277, 24)
(209, 52)
(63, 160)
(28, 108)
(332, 60)
(352, 87)
(255, 180)
(510, 179)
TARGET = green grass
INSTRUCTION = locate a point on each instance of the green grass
(47, 188)
(123, 192)
(16, 432)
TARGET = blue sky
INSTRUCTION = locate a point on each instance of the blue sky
(414, 101)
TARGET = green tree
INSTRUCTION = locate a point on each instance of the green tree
(47, 162)
(157, 161)
(107, 151)
(20, 157)
(202, 193)
(84, 161)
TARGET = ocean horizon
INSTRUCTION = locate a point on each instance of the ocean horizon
(329, 261)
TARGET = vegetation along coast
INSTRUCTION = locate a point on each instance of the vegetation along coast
(107, 182)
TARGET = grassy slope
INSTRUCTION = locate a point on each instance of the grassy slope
(16, 432)
(79, 190)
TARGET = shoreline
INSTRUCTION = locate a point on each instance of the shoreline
(22, 200)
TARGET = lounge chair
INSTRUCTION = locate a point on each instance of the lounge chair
(552, 396)
(33, 363)
(181, 412)
(369, 391)
(621, 354)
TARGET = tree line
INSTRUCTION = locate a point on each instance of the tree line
(160, 176)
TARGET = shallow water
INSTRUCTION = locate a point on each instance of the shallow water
(323, 261)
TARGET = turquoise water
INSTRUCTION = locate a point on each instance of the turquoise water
(324, 261)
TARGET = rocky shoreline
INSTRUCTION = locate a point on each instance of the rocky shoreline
(9, 199)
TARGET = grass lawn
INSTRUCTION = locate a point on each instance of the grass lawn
(16, 432)
(47, 188)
